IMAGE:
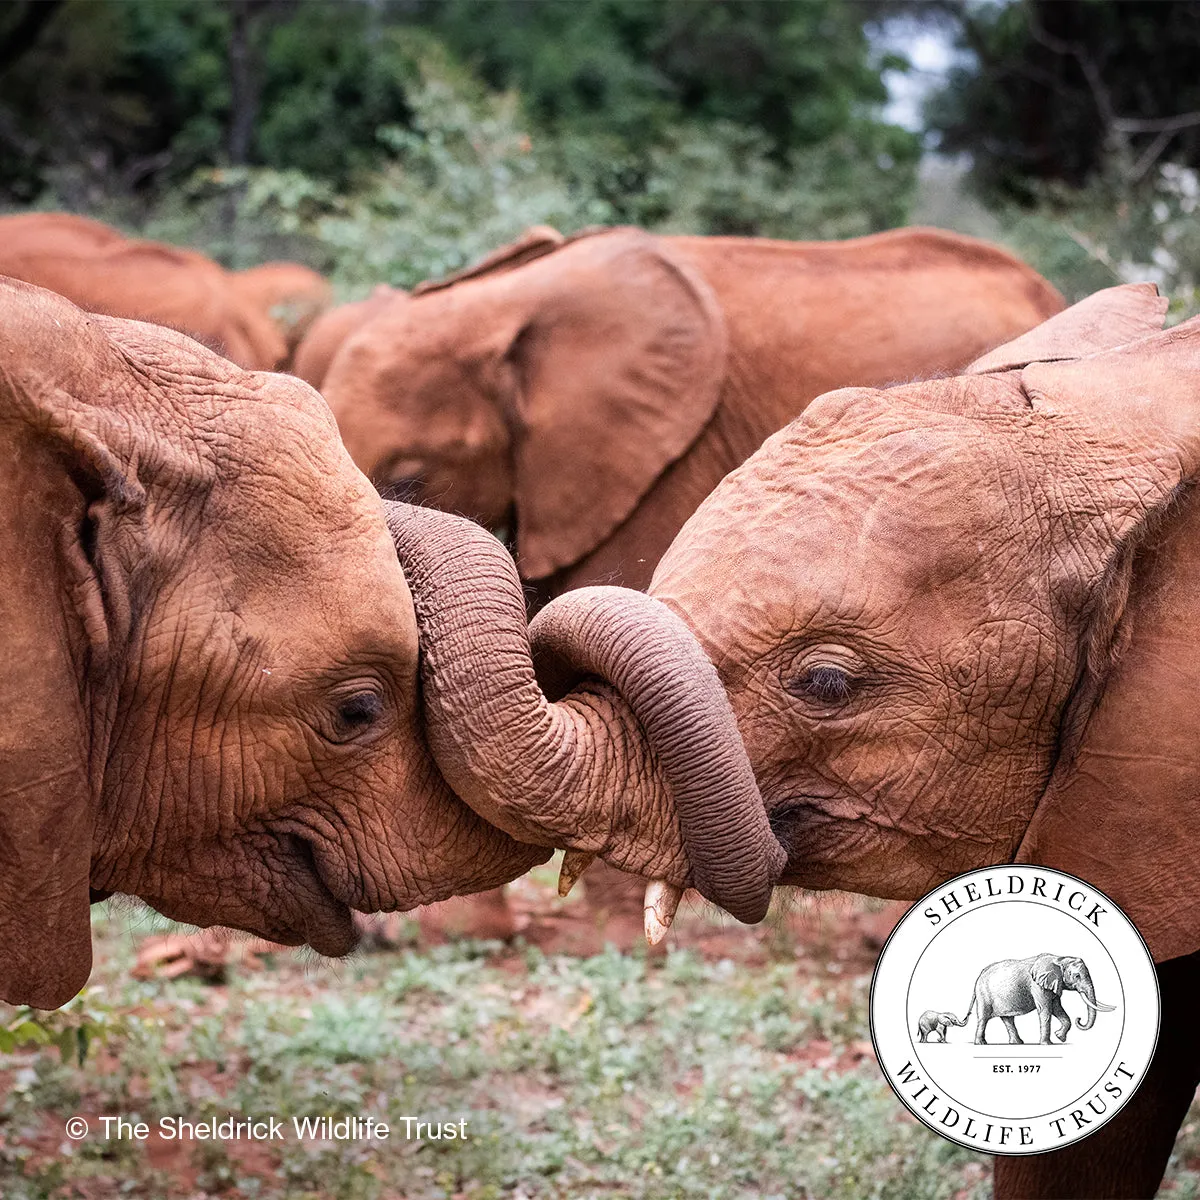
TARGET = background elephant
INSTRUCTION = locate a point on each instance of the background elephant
(935, 1023)
(1015, 986)
(326, 334)
(585, 394)
(288, 294)
(957, 621)
(103, 271)
(210, 674)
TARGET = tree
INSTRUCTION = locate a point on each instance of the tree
(1054, 87)
(799, 71)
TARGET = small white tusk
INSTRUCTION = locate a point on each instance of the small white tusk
(574, 863)
(662, 899)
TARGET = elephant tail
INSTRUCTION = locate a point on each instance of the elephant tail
(970, 1007)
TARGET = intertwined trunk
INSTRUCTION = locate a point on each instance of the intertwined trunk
(640, 761)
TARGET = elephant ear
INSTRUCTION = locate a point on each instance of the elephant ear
(61, 604)
(616, 369)
(1121, 806)
(1048, 974)
(535, 242)
(1104, 321)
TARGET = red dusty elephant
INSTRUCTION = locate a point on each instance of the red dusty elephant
(290, 295)
(210, 690)
(959, 624)
(102, 271)
(585, 394)
(324, 337)
(327, 335)
(588, 393)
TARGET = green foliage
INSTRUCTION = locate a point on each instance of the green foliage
(71, 1029)
(333, 76)
(1110, 232)
(468, 173)
(577, 1078)
(796, 73)
(1084, 239)
(399, 140)
(111, 94)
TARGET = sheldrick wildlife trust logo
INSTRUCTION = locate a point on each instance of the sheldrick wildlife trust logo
(1015, 1010)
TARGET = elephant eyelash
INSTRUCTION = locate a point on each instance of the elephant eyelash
(823, 684)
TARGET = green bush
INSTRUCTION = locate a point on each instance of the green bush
(468, 173)
(1111, 232)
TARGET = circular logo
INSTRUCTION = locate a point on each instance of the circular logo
(1015, 1009)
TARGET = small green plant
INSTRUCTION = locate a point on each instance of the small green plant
(71, 1029)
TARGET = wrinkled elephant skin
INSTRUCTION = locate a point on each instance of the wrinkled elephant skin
(211, 659)
(957, 622)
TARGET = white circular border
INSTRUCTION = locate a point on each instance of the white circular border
(891, 1035)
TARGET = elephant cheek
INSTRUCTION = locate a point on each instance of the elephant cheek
(421, 844)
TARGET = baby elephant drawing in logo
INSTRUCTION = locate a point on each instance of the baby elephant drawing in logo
(935, 1023)
(1014, 986)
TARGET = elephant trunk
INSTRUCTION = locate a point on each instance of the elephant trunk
(641, 762)
(1087, 993)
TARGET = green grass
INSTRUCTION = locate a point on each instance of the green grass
(610, 1076)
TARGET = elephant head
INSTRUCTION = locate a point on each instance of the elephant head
(211, 658)
(548, 386)
(957, 619)
(324, 337)
(1055, 973)
(290, 295)
(103, 271)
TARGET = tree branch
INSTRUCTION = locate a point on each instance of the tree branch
(1166, 125)
(1118, 129)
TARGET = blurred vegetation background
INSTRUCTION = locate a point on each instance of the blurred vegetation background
(396, 140)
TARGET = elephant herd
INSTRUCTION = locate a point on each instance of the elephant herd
(852, 565)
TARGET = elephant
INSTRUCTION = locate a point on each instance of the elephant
(103, 271)
(226, 676)
(935, 1023)
(288, 294)
(324, 337)
(585, 394)
(1014, 986)
(958, 624)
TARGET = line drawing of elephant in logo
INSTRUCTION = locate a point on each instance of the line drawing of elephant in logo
(1014, 986)
(933, 1022)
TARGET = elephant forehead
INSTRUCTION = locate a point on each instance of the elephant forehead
(855, 526)
(302, 529)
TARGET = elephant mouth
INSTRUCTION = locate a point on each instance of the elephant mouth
(295, 907)
(835, 845)
(316, 916)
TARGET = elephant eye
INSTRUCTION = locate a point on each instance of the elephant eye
(823, 683)
(357, 713)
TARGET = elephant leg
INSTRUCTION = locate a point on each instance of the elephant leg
(985, 1015)
(1064, 1020)
(1014, 1038)
(1044, 1025)
(614, 902)
(942, 1032)
(1128, 1156)
(486, 916)
(921, 1037)
(611, 911)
